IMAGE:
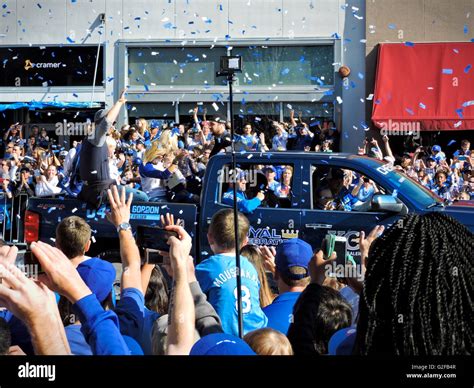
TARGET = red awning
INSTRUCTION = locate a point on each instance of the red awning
(425, 85)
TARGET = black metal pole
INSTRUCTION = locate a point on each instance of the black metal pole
(230, 79)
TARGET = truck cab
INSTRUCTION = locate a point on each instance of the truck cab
(306, 213)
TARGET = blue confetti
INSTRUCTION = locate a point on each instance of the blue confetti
(220, 7)
(410, 112)
(75, 95)
(39, 5)
(168, 25)
(409, 44)
(335, 36)
(459, 112)
(146, 88)
(69, 40)
(447, 71)
(361, 76)
(302, 59)
(468, 67)
(392, 26)
(451, 142)
(285, 71)
(4, 6)
(466, 29)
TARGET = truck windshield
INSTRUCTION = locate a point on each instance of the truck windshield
(404, 184)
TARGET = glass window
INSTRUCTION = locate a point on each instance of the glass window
(158, 66)
(286, 65)
(262, 65)
(342, 189)
(163, 111)
(275, 181)
(310, 110)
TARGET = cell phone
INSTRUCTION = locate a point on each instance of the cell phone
(462, 158)
(153, 237)
(153, 257)
(333, 243)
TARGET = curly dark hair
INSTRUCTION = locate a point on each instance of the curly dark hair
(417, 295)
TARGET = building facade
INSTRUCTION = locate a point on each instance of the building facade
(167, 53)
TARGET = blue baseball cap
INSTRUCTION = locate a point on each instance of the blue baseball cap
(156, 123)
(269, 169)
(342, 342)
(293, 252)
(221, 344)
(99, 276)
(436, 148)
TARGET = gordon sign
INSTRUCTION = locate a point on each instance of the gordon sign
(50, 66)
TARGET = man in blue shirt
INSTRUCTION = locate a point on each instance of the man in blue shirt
(244, 204)
(292, 276)
(217, 275)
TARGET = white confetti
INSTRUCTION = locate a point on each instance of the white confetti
(370, 97)
(259, 221)
(94, 172)
(339, 100)
(214, 105)
(457, 124)
(74, 210)
(53, 239)
(305, 183)
(180, 212)
(289, 106)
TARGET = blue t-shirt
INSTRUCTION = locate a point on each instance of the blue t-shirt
(217, 278)
(280, 312)
(77, 341)
(365, 194)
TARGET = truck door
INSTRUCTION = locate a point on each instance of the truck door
(276, 219)
(326, 213)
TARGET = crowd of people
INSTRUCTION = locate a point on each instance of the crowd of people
(291, 303)
(160, 161)
(450, 177)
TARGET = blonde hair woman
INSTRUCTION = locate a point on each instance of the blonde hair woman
(253, 254)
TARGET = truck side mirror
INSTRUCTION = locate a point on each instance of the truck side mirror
(387, 203)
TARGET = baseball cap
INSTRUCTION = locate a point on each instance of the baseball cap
(217, 119)
(221, 344)
(436, 148)
(63, 154)
(156, 123)
(25, 169)
(99, 276)
(342, 342)
(431, 158)
(269, 169)
(137, 161)
(293, 252)
(99, 115)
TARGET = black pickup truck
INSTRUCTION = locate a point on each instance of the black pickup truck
(299, 215)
